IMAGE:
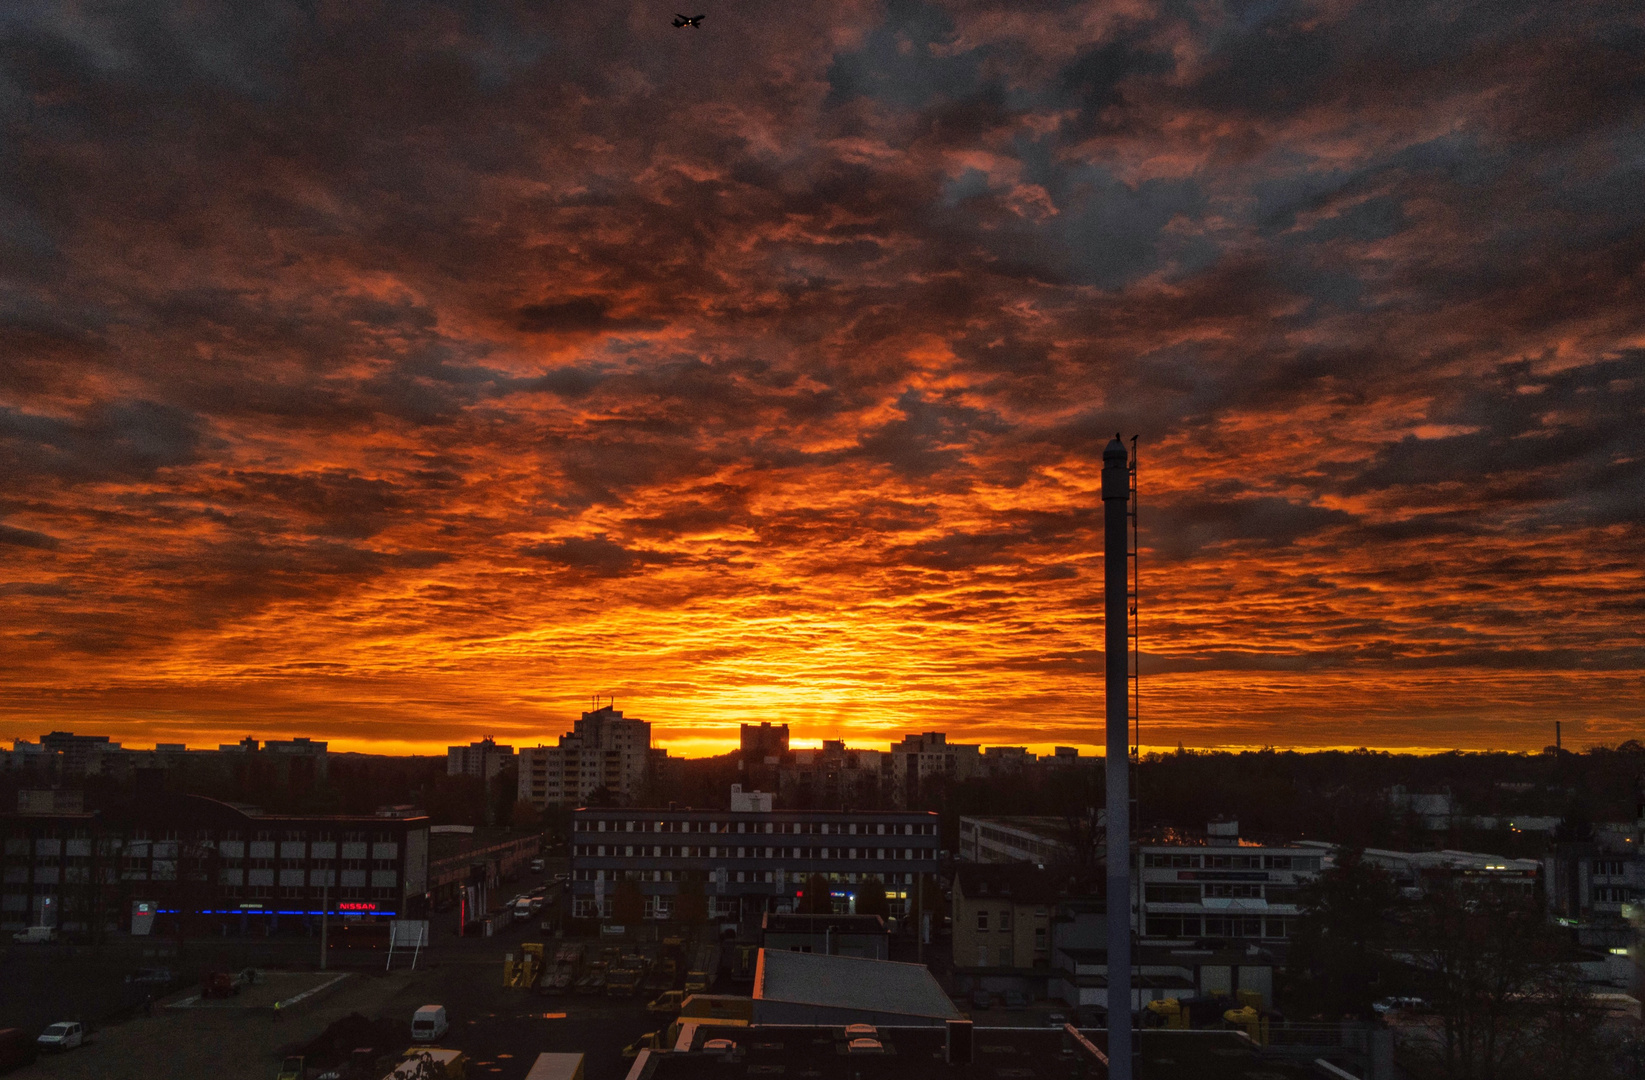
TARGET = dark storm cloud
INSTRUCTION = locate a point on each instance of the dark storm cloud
(596, 556)
(28, 538)
(583, 315)
(1568, 443)
(930, 437)
(823, 315)
(121, 440)
(1180, 529)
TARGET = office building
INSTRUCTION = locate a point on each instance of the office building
(231, 864)
(745, 864)
(604, 749)
(1222, 887)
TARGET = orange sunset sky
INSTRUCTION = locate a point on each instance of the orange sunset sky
(399, 374)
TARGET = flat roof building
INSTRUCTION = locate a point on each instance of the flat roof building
(816, 988)
(744, 863)
(223, 861)
(1221, 887)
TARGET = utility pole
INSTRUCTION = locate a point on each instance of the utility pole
(1116, 497)
(325, 908)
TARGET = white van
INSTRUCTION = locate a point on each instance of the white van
(35, 935)
(429, 1023)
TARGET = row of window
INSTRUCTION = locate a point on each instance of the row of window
(792, 828)
(662, 907)
(1003, 952)
(47, 850)
(669, 851)
(139, 835)
(1193, 894)
(1200, 861)
(1217, 926)
(1002, 920)
(767, 877)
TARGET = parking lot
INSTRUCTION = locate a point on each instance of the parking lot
(500, 1029)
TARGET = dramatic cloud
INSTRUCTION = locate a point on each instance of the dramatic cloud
(398, 372)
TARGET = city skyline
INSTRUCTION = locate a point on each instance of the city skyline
(396, 376)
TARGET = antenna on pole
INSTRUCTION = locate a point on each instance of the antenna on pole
(1132, 596)
(1118, 496)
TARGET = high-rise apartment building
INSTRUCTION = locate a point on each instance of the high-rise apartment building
(484, 759)
(604, 750)
(920, 759)
(765, 742)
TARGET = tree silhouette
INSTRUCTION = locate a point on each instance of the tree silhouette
(628, 905)
(871, 899)
(1338, 963)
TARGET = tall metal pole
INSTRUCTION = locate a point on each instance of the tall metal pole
(1116, 496)
(325, 908)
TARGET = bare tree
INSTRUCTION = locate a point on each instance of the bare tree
(1480, 958)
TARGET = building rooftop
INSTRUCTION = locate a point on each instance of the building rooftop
(1054, 828)
(850, 982)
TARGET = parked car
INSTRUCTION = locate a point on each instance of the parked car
(293, 1068)
(60, 1037)
(35, 935)
(651, 1040)
(220, 984)
(1398, 1004)
(981, 999)
(429, 1023)
(158, 976)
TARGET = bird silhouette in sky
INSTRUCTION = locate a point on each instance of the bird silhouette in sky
(687, 20)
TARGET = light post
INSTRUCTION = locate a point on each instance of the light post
(325, 908)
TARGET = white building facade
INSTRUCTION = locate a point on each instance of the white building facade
(1227, 889)
(605, 749)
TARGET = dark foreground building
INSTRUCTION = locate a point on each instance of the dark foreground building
(229, 867)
